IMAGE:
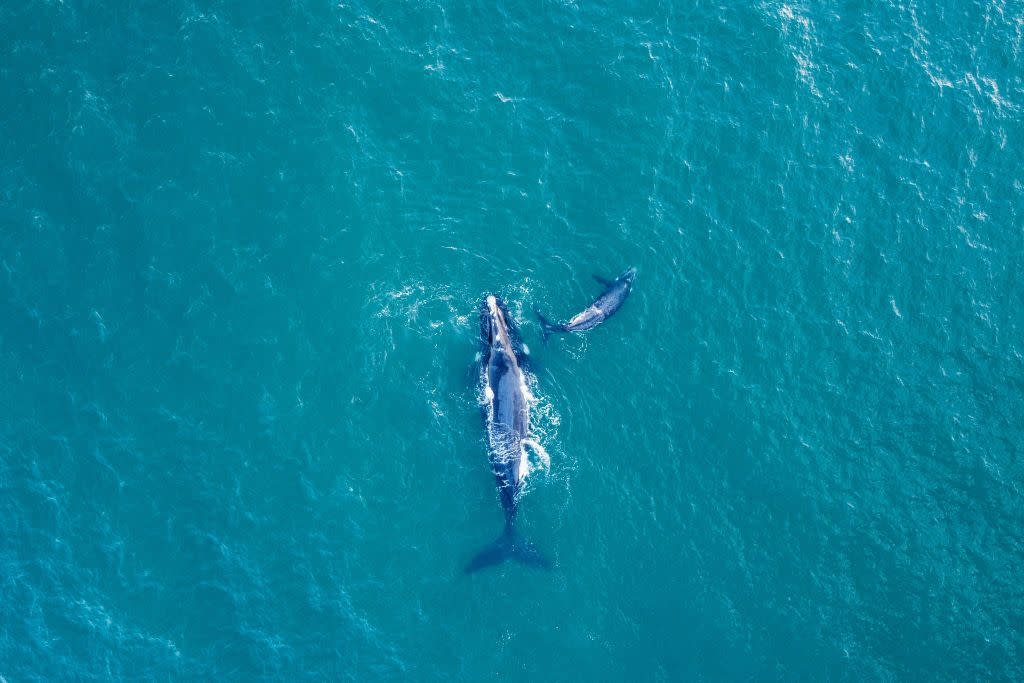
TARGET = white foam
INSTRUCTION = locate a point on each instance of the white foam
(524, 387)
(540, 451)
(524, 464)
(895, 308)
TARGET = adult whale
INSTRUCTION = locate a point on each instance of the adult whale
(507, 404)
(615, 293)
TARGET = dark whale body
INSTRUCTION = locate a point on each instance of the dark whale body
(614, 295)
(507, 404)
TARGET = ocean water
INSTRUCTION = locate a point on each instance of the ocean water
(242, 247)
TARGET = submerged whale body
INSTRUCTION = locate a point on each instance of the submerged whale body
(507, 404)
(614, 295)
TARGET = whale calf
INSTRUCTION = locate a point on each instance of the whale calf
(615, 293)
(507, 407)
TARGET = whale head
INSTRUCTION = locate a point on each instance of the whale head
(493, 326)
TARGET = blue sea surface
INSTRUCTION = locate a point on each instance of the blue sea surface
(242, 250)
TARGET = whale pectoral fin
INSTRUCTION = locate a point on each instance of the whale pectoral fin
(603, 281)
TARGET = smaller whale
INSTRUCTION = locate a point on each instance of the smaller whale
(615, 293)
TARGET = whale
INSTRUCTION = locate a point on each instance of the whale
(506, 402)
(611, 299)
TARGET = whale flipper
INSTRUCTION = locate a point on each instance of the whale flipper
(509, 546)
(603, 281)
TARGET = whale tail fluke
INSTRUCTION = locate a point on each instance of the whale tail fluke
(510, 546)
(546, 326)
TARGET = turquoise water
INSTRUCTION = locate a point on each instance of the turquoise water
(241, 254)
